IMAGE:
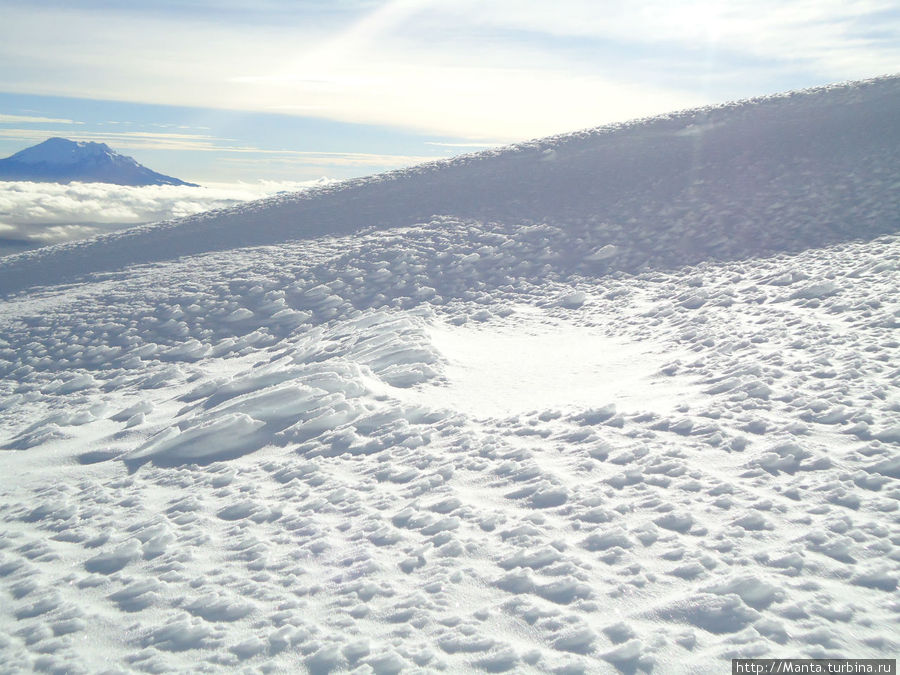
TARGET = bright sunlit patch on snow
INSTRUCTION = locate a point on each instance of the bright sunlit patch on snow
(537, 367)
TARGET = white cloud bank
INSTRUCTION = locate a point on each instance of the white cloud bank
(44, 213)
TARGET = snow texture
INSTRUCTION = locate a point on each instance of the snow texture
(631, 410)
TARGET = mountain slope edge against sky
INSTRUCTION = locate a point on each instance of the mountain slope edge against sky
(742, 179)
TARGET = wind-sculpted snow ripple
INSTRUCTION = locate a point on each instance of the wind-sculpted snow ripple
(321, 384)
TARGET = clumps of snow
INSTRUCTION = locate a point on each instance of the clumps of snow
(217, 606)
(714, 613)
(603, 253)
(573, 300)
(220, 437)
(753, 591)
(116, 559)
(815, 291)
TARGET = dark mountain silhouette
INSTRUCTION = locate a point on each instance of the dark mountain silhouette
(59, 160)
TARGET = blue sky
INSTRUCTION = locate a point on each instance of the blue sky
(227, 90)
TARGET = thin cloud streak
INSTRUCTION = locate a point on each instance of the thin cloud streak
(31, 119)
(464, 145)
(347, 158)
(200, 143)
(127, 139)
(466, 69)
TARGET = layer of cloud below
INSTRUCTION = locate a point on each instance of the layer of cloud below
(44, 213)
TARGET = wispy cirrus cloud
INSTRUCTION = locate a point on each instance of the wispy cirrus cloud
(487, 144)
(132, 140)
(360, 159)
(124, 139)
(380, 83)
(507, 69)
(33, 119)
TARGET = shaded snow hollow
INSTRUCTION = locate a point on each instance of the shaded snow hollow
(629, 405)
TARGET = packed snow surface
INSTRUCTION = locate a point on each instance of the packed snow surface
(620, 401)
(539, 364)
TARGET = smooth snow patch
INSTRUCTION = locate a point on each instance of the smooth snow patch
(518, 369)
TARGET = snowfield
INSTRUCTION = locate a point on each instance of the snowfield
(620, 401)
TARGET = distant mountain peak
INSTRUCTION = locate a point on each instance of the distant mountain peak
(60, 160)
(58, 150)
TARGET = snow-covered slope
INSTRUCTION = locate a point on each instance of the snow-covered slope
(753, 178)
(59, 160)
(620, 401)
